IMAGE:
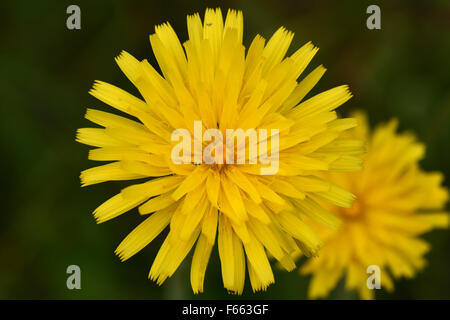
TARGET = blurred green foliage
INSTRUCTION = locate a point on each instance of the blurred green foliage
(46, 224)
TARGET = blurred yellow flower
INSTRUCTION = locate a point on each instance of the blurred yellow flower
(215, 81)
(396, 203)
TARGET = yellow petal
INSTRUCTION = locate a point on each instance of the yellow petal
(199, 263)
(117, 205)
(157, 203)
(108, 172)
(303, 88)
(258, 259)
(144, 233)
(118, 98)
(190, 182)
(226, 252)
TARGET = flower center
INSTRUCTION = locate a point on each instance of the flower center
(355, 211)
(236, 146)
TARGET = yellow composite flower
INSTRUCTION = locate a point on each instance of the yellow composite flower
(212, 78)
(396, 203)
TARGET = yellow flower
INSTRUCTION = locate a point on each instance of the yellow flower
(210, 78)
(396, 203)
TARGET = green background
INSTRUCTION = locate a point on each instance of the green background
(46, 224)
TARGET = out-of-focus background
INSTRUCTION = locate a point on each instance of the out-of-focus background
(402, 70)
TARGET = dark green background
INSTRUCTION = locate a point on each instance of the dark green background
(47, 70)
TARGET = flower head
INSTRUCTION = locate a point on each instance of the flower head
(396, 203)
(211, 84)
